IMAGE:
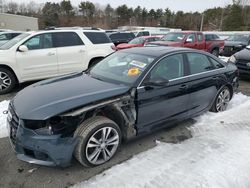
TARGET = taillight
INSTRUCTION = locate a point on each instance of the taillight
(113, 47)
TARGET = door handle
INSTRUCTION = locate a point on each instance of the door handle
(215, 78)
(183, 87)
(51, 53)
(81, 51)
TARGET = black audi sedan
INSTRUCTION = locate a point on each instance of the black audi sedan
(242, 61)
(129, 93)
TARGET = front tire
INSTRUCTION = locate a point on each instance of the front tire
(222, 100)
(7, 81)
(99, 139)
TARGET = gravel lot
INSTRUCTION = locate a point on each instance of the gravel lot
(15, 173)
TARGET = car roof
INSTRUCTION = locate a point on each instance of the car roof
(7, 32)
(156, 51)
(64, 30)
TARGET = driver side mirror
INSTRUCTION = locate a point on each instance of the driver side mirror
(157, 82)
(23, 48)
(189, 40)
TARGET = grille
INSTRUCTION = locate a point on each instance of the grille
(14, 122)
(242, 64)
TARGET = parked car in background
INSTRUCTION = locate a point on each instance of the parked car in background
(129, 93)
(191, 39)
(137, 42)
(6, 36)
(235, 43)
(45, 54)
(242, 60)
(141, 33)
(121, 37)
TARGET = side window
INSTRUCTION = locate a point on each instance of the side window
(40, 42)
(97, 38)
(191, 38)
(145, 33)
(208, 37)
(198, 63)
(168, 68)
(216, 64)
(34, 43)
(15, 34)
(64, 39)
(200, 37)
(139, 34)
(3, 37)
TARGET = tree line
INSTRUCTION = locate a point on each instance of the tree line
(235, 16)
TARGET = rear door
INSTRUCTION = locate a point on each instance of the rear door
(203, 82)
(158, 104)
(41, 59)
(70, 52)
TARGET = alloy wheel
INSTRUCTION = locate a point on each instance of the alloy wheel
(102, 145)
(223, 100)
(5, 81)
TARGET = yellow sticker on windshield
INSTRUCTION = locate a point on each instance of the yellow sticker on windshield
(133, 71)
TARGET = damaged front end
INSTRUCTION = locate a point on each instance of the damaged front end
(45, 142)
(51, 142)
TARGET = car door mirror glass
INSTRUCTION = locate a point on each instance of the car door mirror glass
(23, 48)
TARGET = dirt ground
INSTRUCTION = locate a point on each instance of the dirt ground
(15, 173)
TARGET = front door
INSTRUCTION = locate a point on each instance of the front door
(40, 61)
(157, 104)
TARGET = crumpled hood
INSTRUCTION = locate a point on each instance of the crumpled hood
(51, 97)
(166, 43)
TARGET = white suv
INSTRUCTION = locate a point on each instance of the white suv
(45, 54)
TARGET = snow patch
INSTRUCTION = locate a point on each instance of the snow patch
(3, 126)
(217, 156)
(224, 58)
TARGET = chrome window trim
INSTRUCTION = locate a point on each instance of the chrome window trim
(140, 86)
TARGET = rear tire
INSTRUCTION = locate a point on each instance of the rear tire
(99, 139)
(222, 100)
(7, 81)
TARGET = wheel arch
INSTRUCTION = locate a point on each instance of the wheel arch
(11, 70)
(94, 59)
(116, 114)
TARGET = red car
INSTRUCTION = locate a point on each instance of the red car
(138, 42)
(192, 39)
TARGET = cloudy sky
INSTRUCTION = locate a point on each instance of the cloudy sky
(174, 5)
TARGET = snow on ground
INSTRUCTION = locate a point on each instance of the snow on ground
(3, 127)
(224, 58)
(217, 156)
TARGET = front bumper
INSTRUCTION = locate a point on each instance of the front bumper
(49, 150)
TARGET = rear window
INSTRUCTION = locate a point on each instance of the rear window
(116, 36)
(97, 38)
